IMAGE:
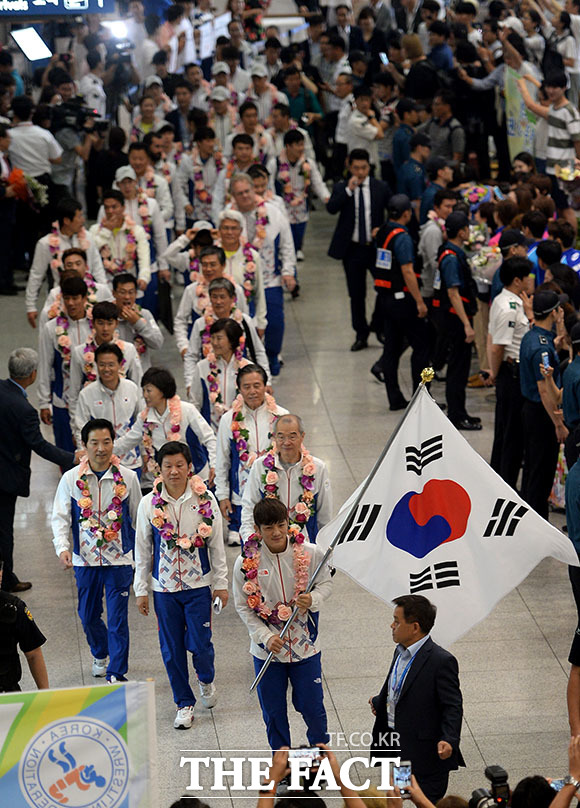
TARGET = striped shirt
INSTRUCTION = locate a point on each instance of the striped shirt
(563, 131)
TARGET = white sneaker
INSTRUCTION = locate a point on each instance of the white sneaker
(99, 667)
(208, 694)
(112, 679)
(184, 718)
(299, 255)
(233, 538)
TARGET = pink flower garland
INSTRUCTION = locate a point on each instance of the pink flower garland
(114, 512)
(251, 554)
(304, 508)
(89, 367)
(261, 222)
(55, 249)
(201, 191)
(241, 433)
(213, 377)
(174, 406)
(57, 306)
(115, 266)
(290, 196)
(167, 529)
(210, 318)
(144, 212)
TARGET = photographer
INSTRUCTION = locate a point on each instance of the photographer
(75, 139)
(280, 770)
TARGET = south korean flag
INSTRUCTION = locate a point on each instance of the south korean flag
(436, 520)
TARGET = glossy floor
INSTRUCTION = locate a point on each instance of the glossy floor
(513, 665)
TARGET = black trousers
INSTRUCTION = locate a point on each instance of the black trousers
(434, 785)
(7, 220)
(356, 262)
(508, 439)
(458, 363)
(540, 456)
(401, 324)
(7, 508)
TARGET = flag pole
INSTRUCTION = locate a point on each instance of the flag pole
(427, 375)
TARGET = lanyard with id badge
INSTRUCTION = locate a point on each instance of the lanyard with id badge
(395, 687)
(384, 259)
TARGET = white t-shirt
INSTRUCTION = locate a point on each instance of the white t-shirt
(32, 148)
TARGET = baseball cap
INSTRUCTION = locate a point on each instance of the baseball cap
(220, 94)
(575, 334)
(405, 105)
(398, 204)
(514, 24)
(202, 225)
(455, 222)
(125, 173)
(419, 139)
(153, 80)
(511, 237)
(546, 301)
(258, 69)
(219, 67)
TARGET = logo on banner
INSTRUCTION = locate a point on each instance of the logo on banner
(423, 520)
(78, 762)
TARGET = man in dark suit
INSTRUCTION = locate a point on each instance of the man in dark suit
(20, 436)
(353, 238)
(350, 34)
(420, 707)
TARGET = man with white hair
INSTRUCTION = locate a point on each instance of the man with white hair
(268, 231)
(263, 93)
(22, 436)
(244, 265)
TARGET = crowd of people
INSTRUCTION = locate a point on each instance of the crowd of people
(132, 168)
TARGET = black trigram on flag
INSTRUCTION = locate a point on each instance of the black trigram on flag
(429, 451)
(505, 518)
(359, 525)
(439, 576)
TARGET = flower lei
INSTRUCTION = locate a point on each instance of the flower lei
(57, 306)
(210, 318)
(114, 513)
(213, 380)
(241, 433)
(89, 367)
(232, 113)
(174, 406)
(54, 245)
(249, 282)
(261, 222)
(290, 197)
(304, 508)
(251, 554)
(201, 191)
(63, 343)
(432, 216)
(150, 186)
(144, 212)
(167, 529)
(114, 266)
(194, 267)
(262, 141)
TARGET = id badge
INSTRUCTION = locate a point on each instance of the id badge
(437, 280)
(384, 259)
(391, 713)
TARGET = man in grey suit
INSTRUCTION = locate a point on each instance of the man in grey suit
(21, 436)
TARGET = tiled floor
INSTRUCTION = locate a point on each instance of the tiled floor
(513, 665)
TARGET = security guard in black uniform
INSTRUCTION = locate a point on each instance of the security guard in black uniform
(454, 305)
(17, 628)
(543, 419)
(404, 310)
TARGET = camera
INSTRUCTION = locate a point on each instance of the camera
(74, 115)
(123, 48)
(499, 793)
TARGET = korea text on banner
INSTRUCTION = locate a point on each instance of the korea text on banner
(82, 747)
(520, 121)
(436, 520)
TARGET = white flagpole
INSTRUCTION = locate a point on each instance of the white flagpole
(426, 376)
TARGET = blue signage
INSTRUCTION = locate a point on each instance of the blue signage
(53, 8)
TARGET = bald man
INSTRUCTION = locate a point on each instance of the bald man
(301, 481)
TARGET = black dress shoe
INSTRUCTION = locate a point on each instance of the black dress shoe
(474, 419)
(399, 404)
(467, 426)
(359, 345)
(378, 373)
(22, 586)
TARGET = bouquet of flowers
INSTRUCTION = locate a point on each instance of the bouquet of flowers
(484, 264)
(28, 189)
(474, 195)
(569, 179)
(477, 237)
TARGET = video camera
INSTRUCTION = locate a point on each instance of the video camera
(499, 793)
(74, 115)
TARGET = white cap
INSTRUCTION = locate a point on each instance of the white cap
(219, 67)
(220, 94)
(153, 80)
(259, 69)
(125, 173)
(202, 225)
(514, 24)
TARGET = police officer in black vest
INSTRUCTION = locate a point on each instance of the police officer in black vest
(455, 304)
(403, 309)
(18, 629)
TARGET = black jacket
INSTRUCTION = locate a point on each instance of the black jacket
(343, 203)
(20, 436)
(429, 710)
(174, 117)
